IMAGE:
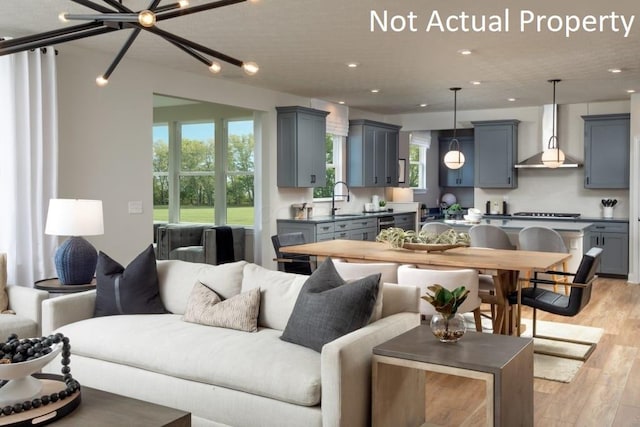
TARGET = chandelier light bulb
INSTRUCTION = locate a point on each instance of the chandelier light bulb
(183, 3)
(147, 19)
(62, 17)
(250, 68)
(215, 67)
(101, 81)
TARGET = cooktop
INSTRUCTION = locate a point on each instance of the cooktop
(554, 215)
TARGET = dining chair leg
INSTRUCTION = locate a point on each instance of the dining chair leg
(478, 319)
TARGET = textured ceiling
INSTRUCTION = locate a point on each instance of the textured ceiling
(302, 47)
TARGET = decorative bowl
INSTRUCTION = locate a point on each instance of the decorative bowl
(22, 386)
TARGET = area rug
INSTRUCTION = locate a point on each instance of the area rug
(558, 368)
(551, 367)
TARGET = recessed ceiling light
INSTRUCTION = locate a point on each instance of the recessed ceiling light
(631, 91)
(475, 82)
(464, 51)
(375, 90)
(352, 64)
(341, 102)
(614, 70)
(422, 105)
(511, 99)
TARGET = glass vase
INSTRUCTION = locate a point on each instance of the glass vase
(448, 329)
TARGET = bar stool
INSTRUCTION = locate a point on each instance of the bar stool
(544, 239)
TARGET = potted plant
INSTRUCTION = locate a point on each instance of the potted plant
(447, 324)
(454, 211)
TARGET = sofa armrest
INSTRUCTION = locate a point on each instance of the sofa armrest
(60, 311)
(346, 370)
(26, 302)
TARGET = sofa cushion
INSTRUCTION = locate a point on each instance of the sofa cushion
(258, 363)
(328, 308)
(133, 290)
(177, 279)
(279, 292)
(240, 312)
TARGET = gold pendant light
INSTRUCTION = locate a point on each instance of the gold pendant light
(552, 156)
(454, 159)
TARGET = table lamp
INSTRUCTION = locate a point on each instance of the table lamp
(76, 258)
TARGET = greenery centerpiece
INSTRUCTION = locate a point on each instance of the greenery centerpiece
(454, 211)
(447, 324)
(398, 238)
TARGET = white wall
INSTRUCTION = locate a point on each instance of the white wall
(105, 141)
(634, 190)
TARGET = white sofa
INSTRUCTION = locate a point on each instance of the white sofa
(224, 376)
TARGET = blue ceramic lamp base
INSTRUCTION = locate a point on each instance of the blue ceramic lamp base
(76, 261)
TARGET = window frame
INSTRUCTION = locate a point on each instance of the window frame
(422, 168)
(339, 149)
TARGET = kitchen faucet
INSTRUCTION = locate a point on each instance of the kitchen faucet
(333, 196)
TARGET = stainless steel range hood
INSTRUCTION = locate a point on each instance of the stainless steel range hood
(535, 161)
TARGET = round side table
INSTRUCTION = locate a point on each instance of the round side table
(53, 285)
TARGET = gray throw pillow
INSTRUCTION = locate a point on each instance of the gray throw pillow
(328, 308)
(134, 290)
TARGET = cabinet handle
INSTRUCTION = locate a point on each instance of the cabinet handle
(388, 180)
(313, 179)
(375, 180)
(509, 180)
(587, 178)
(365, 236)
(602, 240)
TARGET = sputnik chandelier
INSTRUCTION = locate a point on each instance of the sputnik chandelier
(113, 15)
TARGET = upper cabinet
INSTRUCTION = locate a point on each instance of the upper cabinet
(372, 154)
(496, 153)
(301, 147)
(463, 177)
(606, 151)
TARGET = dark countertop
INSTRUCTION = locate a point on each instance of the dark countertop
(345, 217)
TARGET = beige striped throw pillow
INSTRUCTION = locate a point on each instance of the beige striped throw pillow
(239, 312)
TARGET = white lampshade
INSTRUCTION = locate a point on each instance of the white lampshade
(74, 217)
(454, 159)
(553, 158)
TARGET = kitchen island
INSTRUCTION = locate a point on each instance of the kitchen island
(572, 232)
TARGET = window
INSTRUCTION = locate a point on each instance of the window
(334, 166)
(197, 172)
(203, 166)
(240, 172)
(161, 172)
(417, 166)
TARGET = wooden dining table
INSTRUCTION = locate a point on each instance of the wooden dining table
(503, 265)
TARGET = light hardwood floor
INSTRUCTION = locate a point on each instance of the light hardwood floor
(606, 391)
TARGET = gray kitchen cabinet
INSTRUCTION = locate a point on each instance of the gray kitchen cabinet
(613, 238)
(406, 221)
(606, 151)
(463, 177)
(496, 153)
(301, 147)
(372, 154)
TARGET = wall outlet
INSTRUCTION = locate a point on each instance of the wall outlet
(135, 207)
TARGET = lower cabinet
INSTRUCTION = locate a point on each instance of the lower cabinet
(406, 221)
(354, 229)
(613, 238)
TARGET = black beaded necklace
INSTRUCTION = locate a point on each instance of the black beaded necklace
(72, 385)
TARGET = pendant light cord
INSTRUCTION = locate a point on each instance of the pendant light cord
(455, 120)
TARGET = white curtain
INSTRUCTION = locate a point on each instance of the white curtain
(28, 162)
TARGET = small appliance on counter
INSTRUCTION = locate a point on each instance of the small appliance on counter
(496, 207)
(302, 210)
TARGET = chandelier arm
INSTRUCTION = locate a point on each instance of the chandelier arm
(94, 6)
(48, 34)
(105, 17)
(153, 5)
(34, 42)
(121, 53)
(194, 9)
(118, 6)
(167, 7)
(193, 45)
(191, 52)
